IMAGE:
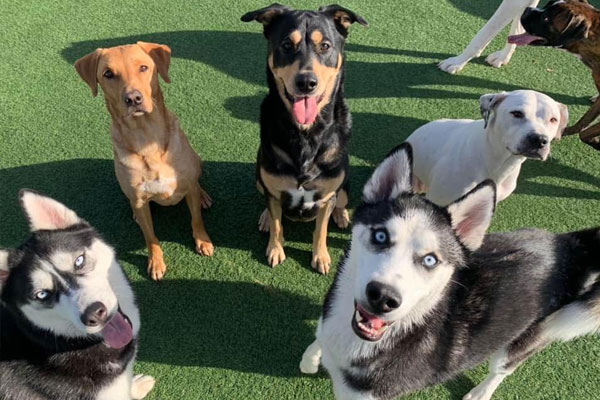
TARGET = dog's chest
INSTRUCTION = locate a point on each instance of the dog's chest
(302, 198)
(157, 179)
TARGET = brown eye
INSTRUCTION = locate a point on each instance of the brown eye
(287, 46)
(143, 68)
(325, 47)
(553, 120)
(108, 74)
(517, 114)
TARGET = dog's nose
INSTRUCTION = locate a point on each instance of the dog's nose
(94, 315)
(133, 98)
(306, 82)
(537, 141)
(382, 298)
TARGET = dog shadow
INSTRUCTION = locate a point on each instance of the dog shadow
(482, 9)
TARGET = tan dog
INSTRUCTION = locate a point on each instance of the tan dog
(154, 160)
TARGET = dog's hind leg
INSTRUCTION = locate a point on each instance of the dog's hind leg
(141, 386)
(204, 245)
(340, 214)
(311, 358)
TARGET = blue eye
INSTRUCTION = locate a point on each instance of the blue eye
(79, 262)
(430, 261)
(42, 295)
(380, 236)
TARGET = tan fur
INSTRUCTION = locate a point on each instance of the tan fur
(296, 37)
(153, 158)
(316, 36)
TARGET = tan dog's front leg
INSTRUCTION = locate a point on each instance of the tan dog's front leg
(275, 253)
(156, 263)
(321, 261)
(196, 198)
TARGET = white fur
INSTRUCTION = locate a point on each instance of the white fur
(304, 197)
(498, 372)
(509, 10)
(46, 213)
(452, 156)
(472, 215)
(572, 321)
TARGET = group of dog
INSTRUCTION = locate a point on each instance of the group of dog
(421, 295)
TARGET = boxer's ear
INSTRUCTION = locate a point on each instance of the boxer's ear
(564, 120)
(488, 104)
(577, 28)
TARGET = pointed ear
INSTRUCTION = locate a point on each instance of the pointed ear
(3, 267)
(46, 213)
(488, 104)
(161, 55)
(87, 68)
(392, 177)
(472, 214)
(564, 120)
(266, 15)
(342, 17)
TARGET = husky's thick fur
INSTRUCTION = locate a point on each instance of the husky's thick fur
(68, 318)
(423, 294)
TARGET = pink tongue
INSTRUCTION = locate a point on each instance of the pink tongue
(523, 39)
(374, 322)
(305, 110)
(117, 333)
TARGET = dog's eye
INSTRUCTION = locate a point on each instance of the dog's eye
(546, 19)
(79, 262)
(287, 45)
(553, 120)
(517, 114)
(430, 260)
(42, 295)
(108, 74)
(325, 46)
(143, 68)
(380, 236)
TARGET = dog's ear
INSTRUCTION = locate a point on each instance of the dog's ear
(87, 68)
(472, 214)
(488, 104)
(564, 120)
(161, 55)
(4, 271)
(45, 213)
(266, 15)
(392, 177)
(577, 28)
(342, 17)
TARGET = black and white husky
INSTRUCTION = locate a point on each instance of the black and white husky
(423, 294)
(68, 318)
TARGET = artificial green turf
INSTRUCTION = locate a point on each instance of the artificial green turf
(229, 327)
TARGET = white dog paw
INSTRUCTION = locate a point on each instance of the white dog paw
(309, 366)
(594, 98)
(141, 386)
(499, 58)
(478, 394)
(453, 65)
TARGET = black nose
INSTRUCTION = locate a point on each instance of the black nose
(306, 82)
(94, 315)
(382, 298)
(537, 141)
(133, 98)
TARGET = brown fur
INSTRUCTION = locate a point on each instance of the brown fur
(154, 160)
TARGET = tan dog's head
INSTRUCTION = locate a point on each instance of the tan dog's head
(128, 75)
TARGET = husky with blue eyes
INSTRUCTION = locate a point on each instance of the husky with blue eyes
(68, 318)
(424, 294)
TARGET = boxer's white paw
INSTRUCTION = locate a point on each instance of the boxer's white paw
(453, 65)
(594, 98)
(499, 58)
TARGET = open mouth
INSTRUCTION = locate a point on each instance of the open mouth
(368, 326)
(118, 332)
(137, 112)
(304, 108)
(527, 39)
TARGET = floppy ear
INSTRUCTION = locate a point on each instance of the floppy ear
(564, 120)
(342, 17)
(472, 214)
(392, 177)
(46, 213)
(161, 55)
(87, 68)
(266, 15)
(3, 267)
(578, 28)
(488, 104)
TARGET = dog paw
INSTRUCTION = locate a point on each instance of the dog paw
(478, 394)
(321, 261)
(308, 366)
(141, 386)
(263, 221)
(204, 247)
(341, 217)
(453, 65)
(156, 268)
(594, 98)
(205, 200)
(593, 142)
(275, 254)
(499, 58)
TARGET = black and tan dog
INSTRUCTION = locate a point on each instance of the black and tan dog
(302, 163)
(572, 25)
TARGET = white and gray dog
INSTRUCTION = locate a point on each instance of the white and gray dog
(424, 294)
(68, 318)
(452, 156)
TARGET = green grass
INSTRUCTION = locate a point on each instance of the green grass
(229, 327)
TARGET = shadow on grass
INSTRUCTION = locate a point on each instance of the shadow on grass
(242, 55)
(482, 9)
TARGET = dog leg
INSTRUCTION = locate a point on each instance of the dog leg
(194, 201)
(498, 371)
(275, 253)
(340, 214)
(205, 200)
(156, 262)
(141, 386)
(585, 121)
(591, 136)
(321, 261)
(263, 221)
(311, 358)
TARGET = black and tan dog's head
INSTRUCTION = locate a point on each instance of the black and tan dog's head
(559, 24)
(305, 55)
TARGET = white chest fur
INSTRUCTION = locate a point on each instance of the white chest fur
(302, 198)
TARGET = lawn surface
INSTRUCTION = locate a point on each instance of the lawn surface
(229, 327)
